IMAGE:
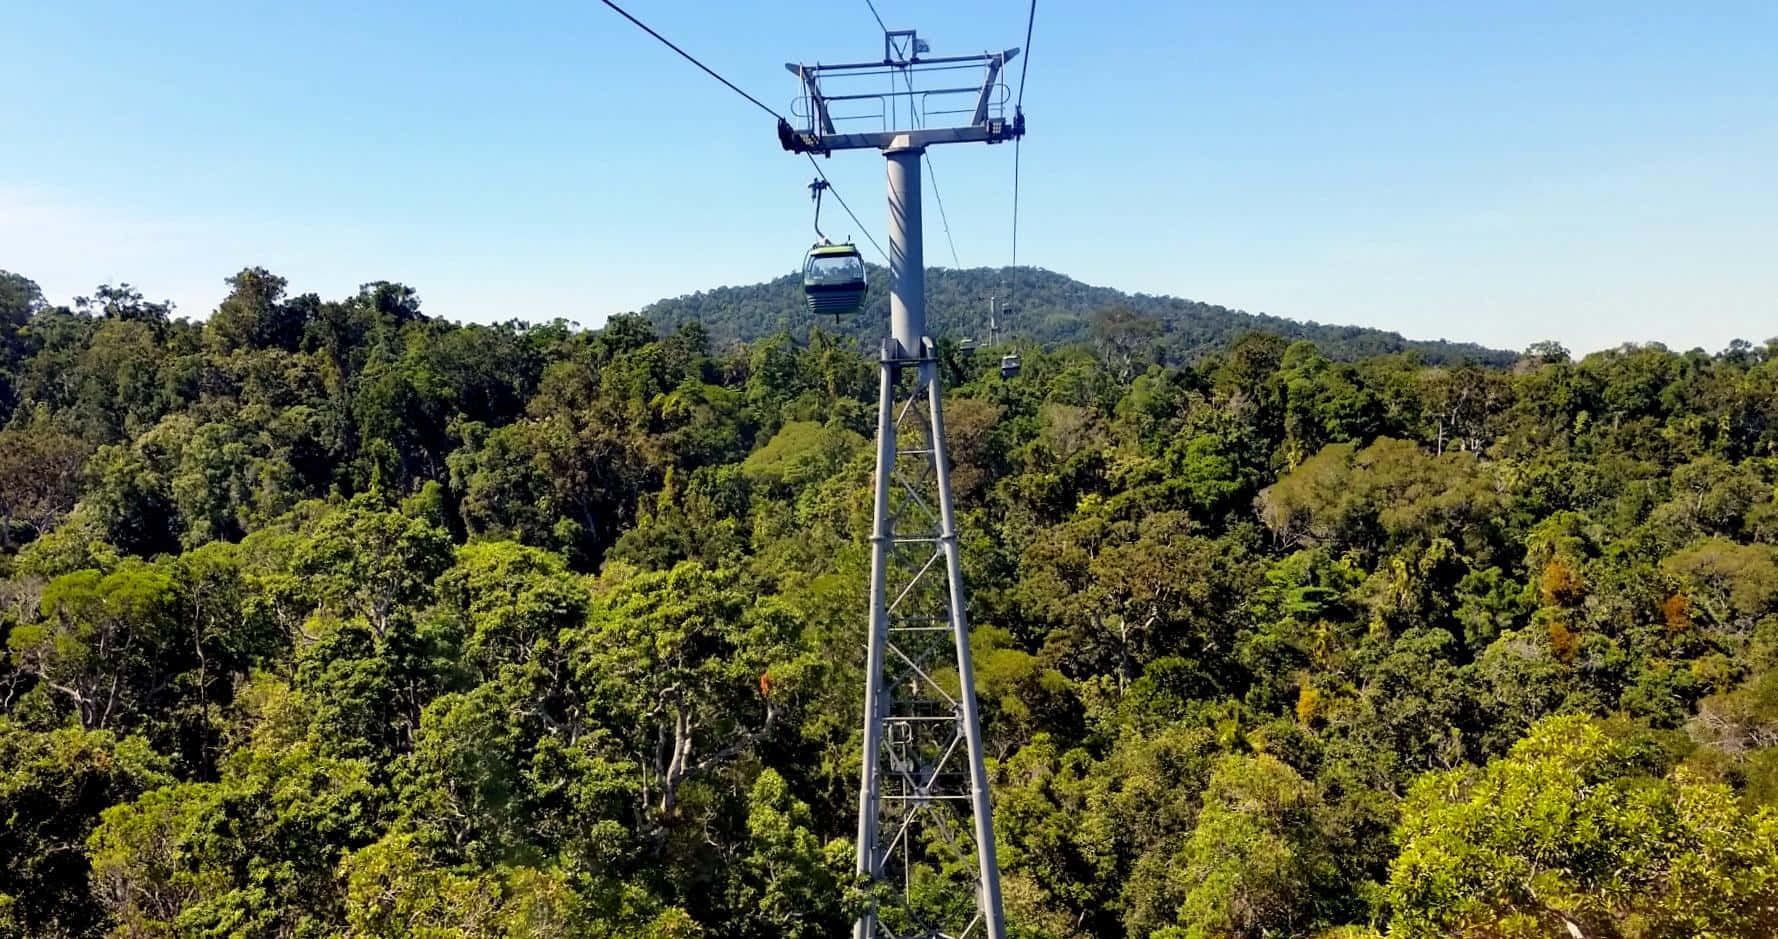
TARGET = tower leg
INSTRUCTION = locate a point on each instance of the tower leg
(882, 538)
(987, 862)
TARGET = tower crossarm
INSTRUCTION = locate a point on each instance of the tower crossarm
(838, 118)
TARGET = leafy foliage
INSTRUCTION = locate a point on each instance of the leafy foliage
(329, 618)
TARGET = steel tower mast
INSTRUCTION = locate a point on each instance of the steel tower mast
(925, 825)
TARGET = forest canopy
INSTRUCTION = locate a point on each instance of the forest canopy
(330, 618)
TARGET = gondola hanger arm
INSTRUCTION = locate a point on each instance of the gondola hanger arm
(816, 187)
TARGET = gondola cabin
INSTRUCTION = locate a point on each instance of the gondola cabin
(833, 280)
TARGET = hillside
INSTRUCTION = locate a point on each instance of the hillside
(1053, 308)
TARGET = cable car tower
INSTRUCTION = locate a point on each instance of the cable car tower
(925, 828)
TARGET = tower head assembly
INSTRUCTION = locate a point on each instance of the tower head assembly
(905, 100)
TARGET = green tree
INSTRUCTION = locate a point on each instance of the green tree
(20, 299)
(1252, 866)
(124, 302)
(39, 478)
(789, 886)
(103, 643)
(1576, 830)
(373, 565)
(691, 656)
(1731, 583)
(1388, 494)
(253, 854)
(394, 890)
(53, 787)
(256, 315)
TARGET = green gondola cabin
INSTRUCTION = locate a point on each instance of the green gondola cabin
(833, 280)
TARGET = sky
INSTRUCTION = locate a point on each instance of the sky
(1589, 172)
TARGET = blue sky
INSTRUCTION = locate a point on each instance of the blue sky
(1592, 172)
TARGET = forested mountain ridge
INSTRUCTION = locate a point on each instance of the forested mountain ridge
(326, 618)
(1053, 309)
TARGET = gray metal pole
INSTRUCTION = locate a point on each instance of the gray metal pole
(875, 706)
(907, 259)
(980, 805)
